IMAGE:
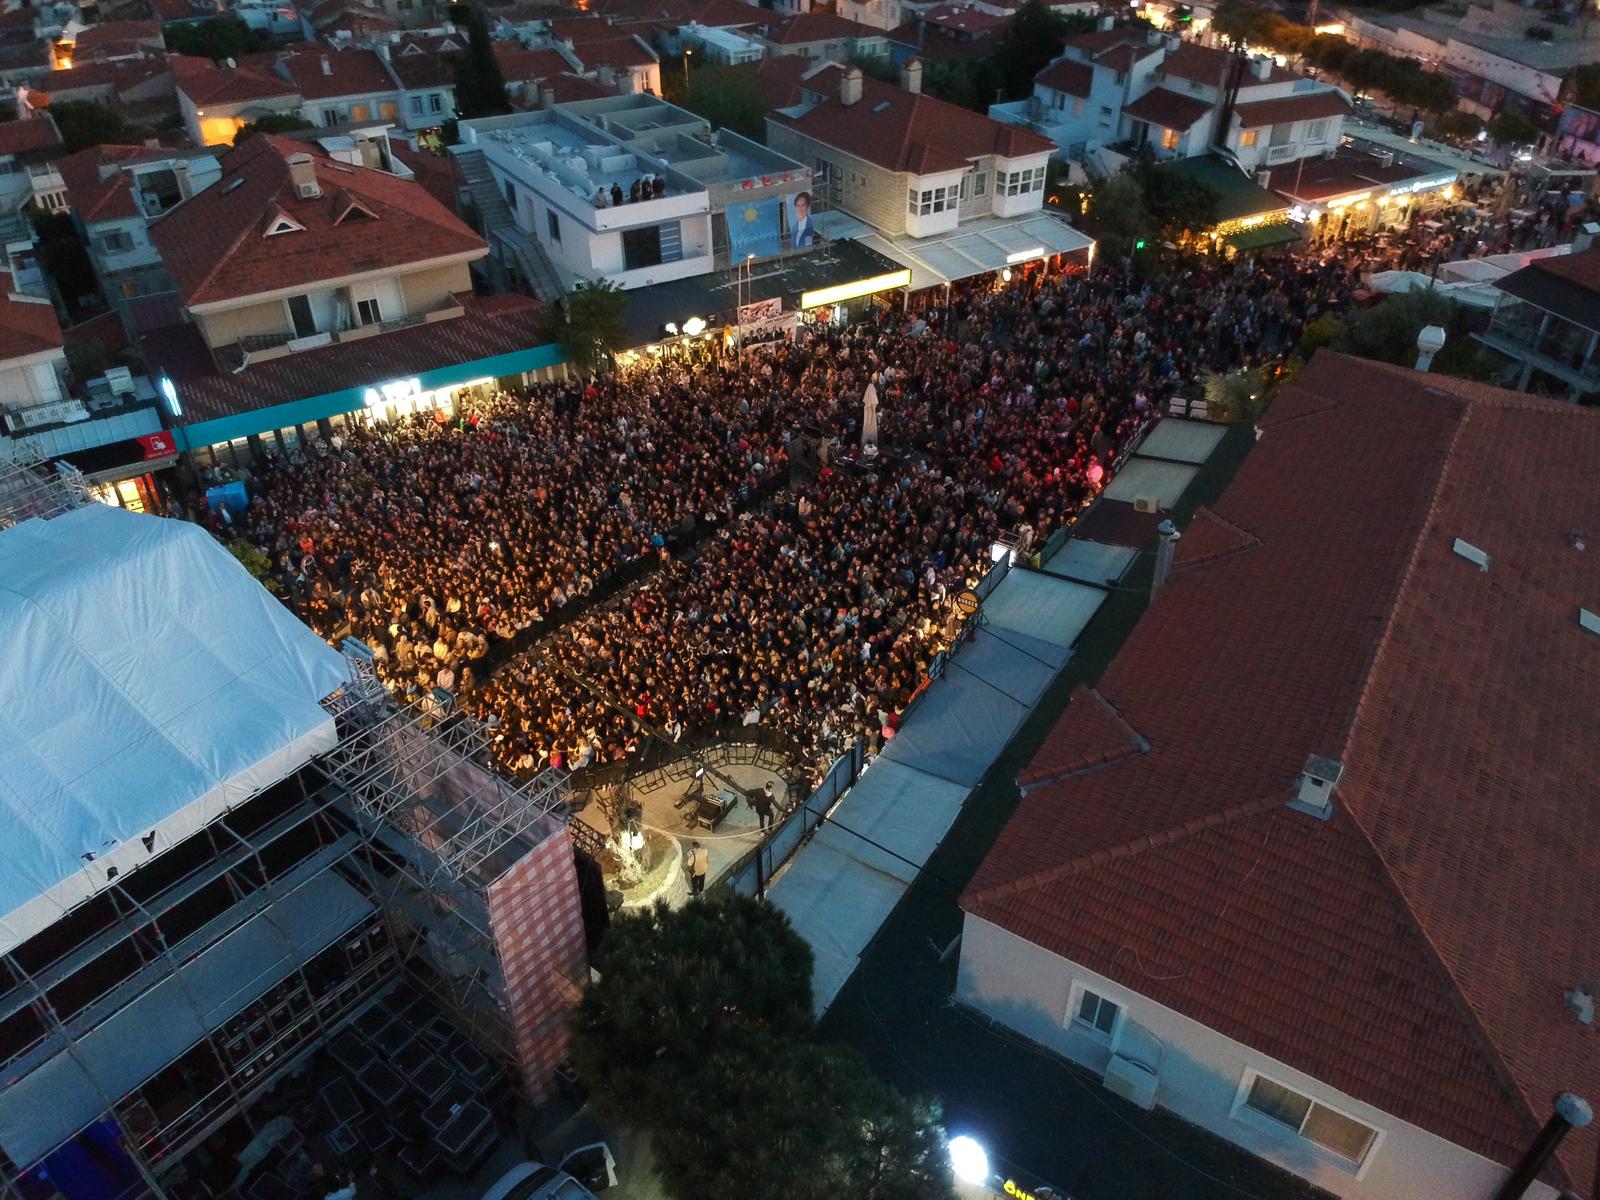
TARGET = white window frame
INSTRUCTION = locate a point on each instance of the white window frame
(107, 246)
(1265, 1123)
(435, 102)
(375, 317)
(416, 106)
(1317, 131)
(1075, 1005)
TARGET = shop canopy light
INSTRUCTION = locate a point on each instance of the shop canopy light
(1022, 256)
(969, 1160)
(850, 291)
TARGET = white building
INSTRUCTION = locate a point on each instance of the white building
(1135, 87)
(946, 192)
(551, 169)
(1311, 866)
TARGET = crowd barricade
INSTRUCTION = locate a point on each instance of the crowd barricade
(751, 874)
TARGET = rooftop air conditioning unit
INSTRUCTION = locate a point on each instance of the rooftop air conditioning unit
(307, 190)
(1264, 178)
(1145, 504)
(1133, 1081)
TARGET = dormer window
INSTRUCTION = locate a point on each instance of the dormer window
(347, 207)
(283, 224)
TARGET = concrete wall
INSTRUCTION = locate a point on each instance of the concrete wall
(876, 196)
(32, 380)
(1202, 1074)
(429, 288)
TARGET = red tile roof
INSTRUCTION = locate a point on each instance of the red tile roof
(204, 82)
(502, 325)
(805, 28)
(1065, 75)
(964, 20)
(28, 324)
(1349, 170)
(215, 248)
(900, 131)
(184, 10)
(323, 73)
(1167, 109)
(1567, 285)
(29, 135)
(110, 32)
(115, 78)
(1414, 950)
(107, 195)
(781, 79)
(1308, 106)
(621, 51)
(520, 65)
(674, 13)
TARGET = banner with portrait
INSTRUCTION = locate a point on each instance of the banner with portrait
(802, 234)
(754, 229)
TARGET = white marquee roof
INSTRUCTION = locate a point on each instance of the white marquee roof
(147, 684)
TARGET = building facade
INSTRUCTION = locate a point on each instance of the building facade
(570, 178)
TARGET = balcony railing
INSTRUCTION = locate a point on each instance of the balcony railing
(1281, 154)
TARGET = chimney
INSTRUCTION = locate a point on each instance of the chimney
(547, 96)
(850, 86)
(1106, 23)
(1315, 787)
(304, 175)
(1165, 549)
(911, 76)
(922, 25)
(1571, 1112)
(382, 49)
(1429, 342)
(229, 63)
(327, 67)
(1261, 67)
(1580, 1001)
(1583, 237)
(1152, 37)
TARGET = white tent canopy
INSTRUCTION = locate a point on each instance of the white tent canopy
(978, 247)
(147, 685)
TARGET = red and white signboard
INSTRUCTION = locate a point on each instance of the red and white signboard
(158, 445)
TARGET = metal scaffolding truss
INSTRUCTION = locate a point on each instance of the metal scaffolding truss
(424, 772)
(31, 487)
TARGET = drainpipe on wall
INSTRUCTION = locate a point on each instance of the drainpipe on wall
(1571, 1112)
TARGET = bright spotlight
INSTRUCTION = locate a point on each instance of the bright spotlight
(694, 326)
(969, 1160)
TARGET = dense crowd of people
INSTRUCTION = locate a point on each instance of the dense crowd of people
(471, 552)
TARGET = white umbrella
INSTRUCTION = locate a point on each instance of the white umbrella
(1401, 281)
(869, 421)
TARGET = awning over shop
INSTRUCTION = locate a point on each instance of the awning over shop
(979, 247)
(1264, 237)
(125, 459)
(44, 1108)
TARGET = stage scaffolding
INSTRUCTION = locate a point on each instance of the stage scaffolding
(32, 487)
(404, 821)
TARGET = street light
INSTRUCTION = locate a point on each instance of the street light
(969, 1160)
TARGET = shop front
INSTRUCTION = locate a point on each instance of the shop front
(125, 474)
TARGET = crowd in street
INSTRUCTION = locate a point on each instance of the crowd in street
(767, 585)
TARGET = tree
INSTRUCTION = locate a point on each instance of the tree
(1032, 43)
(217, 38)
(1118, 214)
(1388, 332)
(480, 84)
(1585, 85)
(1240, 23)
(729, 99)
(590, 324)
(675, 984)
(64, 257)
(1176, 203)
(84, 124)
(1458, 124)
(699, 1031)
(1509, 128)
(271, 123)
(1240, 395)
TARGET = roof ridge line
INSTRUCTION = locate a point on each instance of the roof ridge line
(1248, 541)
(1128, 849)
(1496, 1057)
(1134, 743)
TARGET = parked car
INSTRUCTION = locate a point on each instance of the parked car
(583, 1172)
